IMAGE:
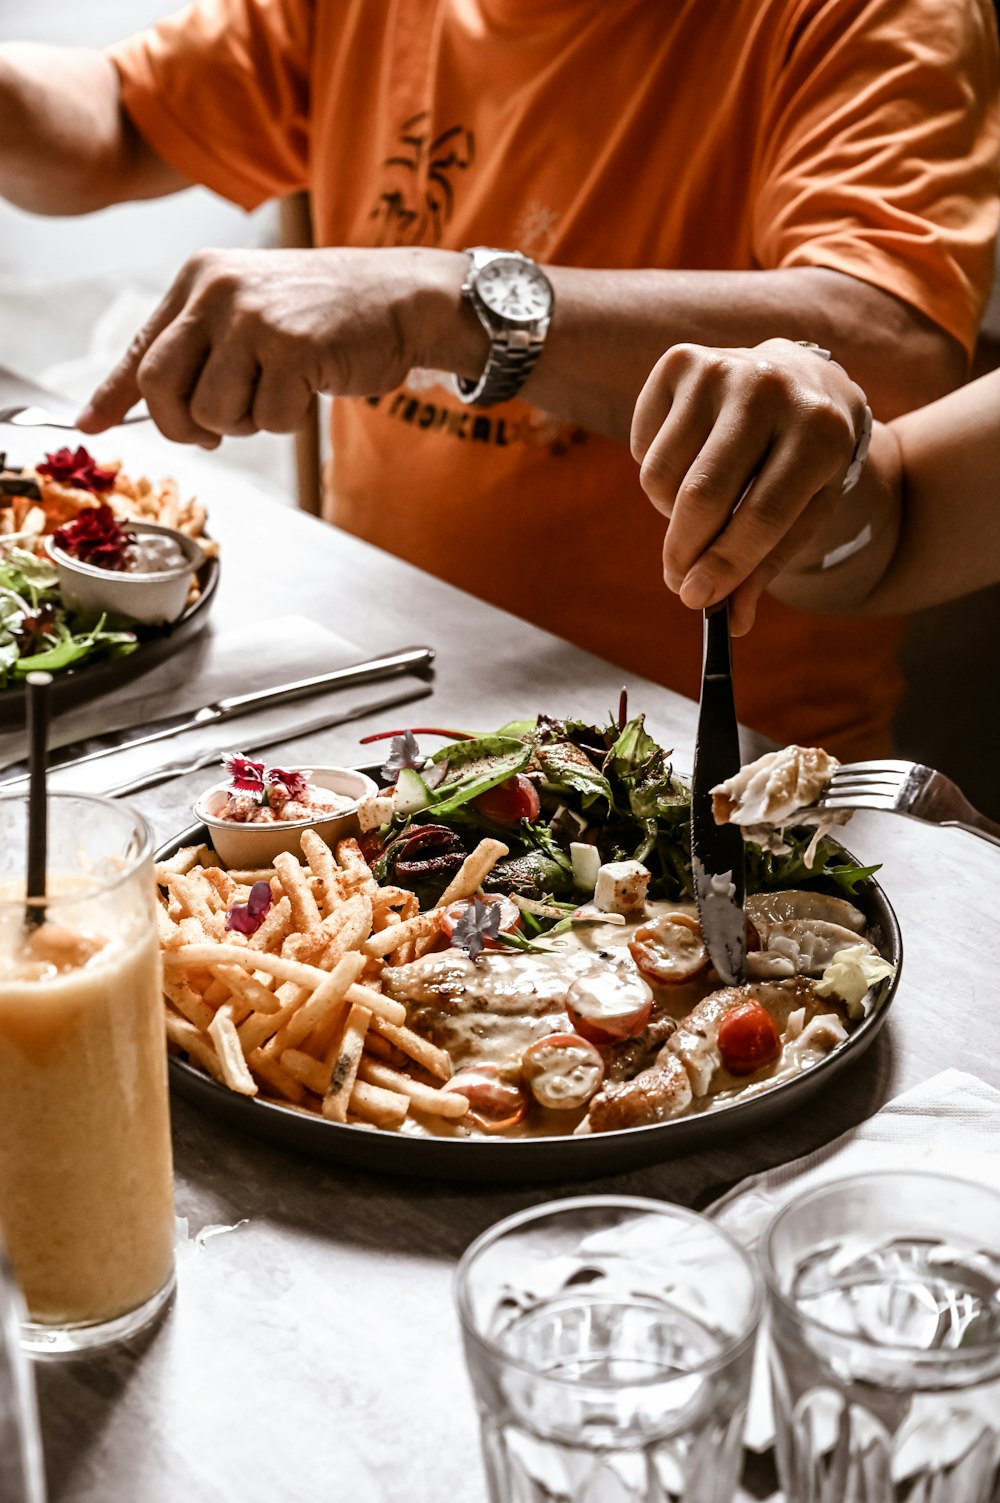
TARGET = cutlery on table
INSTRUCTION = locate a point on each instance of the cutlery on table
(717, 857)
(905, 788)
(197, 760)
(40, 417)
(371, 670)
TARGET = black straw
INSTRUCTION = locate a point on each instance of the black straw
(38, 745)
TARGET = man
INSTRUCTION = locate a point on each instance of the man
(823, 169)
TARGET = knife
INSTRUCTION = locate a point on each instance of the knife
(717, 856)
(409, 660)
(184, 765)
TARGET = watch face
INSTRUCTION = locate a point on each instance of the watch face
(515, 289)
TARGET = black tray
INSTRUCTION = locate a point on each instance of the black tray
(541, 1159)
(88, 682)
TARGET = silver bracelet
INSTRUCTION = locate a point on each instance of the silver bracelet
(863, 443)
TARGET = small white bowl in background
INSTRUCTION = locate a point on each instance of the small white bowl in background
(153, 599)
(249, 846)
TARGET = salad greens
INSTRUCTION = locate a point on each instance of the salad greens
(36, 632)
(611, 785)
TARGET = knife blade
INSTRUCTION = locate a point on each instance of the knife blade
(717, 856)
(197, 760)
(408, 660)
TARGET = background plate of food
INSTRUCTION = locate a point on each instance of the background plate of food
(85, 550)
(500, 975)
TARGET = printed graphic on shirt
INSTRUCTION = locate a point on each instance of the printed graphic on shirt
(530, 426)
(418, 196)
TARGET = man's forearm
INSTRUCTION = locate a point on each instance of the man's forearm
(66, 145)
(610, 327)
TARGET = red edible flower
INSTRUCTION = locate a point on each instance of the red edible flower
(296, 783)
(96, 537)
(245, 775)
(77, 468)
(247, 917)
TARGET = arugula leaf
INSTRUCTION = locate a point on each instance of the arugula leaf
(474, 767)
(567, 769)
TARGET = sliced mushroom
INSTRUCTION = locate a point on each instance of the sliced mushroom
(764, 909)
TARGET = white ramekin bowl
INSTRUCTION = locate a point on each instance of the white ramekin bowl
(251, 846)
(154, 599)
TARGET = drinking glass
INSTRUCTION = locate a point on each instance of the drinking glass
(884, 1304)
(85, 1166)
(21, 1474)
(609, 1341)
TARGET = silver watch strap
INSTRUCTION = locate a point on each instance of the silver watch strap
(511, 360)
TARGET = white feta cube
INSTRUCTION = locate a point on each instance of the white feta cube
(621, 887)
(374, 811)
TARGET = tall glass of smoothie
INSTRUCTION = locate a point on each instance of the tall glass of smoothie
(86, 1206)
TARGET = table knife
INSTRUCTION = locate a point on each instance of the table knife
(717, 856)
(196, 760)
(409, 660)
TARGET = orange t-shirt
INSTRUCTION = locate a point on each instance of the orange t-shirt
(858, 135)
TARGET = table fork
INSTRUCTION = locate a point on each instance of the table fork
(40, 417)
(906, 788)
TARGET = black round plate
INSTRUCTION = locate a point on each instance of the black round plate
(537, 1160)
(75, 685)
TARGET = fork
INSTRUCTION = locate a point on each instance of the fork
(39, 417)
(905, 788)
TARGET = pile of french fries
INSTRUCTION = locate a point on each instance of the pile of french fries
(296, 1011)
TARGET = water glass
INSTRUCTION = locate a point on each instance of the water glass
(609, 1340)
(884, 1307)
(21, 1474)
(85, 1165)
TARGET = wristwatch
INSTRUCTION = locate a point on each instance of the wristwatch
(513, 300)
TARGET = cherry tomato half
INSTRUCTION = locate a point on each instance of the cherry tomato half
(748, 1039)
(609, 1005)
(670, 949)
(510, 916)
(509, 802)
(562, 1070)
(495, 1104)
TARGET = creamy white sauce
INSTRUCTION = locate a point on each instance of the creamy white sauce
(489, 1010)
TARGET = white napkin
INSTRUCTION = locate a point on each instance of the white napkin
(241, 661)
(949, 1124)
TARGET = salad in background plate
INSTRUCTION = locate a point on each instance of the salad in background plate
(89, 513)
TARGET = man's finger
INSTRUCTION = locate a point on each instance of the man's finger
(710, 492)
(168, 376)
(222, 401)
(119, 391)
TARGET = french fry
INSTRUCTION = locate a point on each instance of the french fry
(184, 1035)
(313, 1073)
(329, 996)
(222, 1032)
(305, 913)
(477, 865)
(187, 1001)
(384, 1008)
(347, 927)
(345, 1065)
(274, 1074)
(192, 897)
(241, 984)
(390, 938)
(276, 927)
(434, 1060)
(379, 1107)
(182, 861)
(425, 1098)
(296, 1010)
